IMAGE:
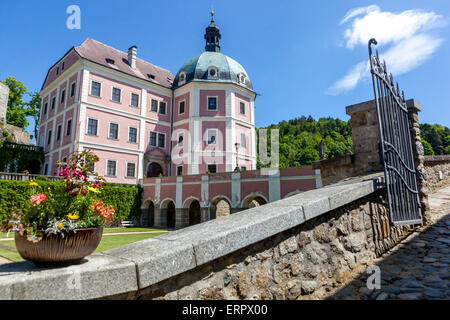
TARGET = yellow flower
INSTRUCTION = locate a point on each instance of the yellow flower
(60, 225)
(32, 183)
(72, 216)
(93, 190)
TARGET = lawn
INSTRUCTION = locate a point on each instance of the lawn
(108, 242)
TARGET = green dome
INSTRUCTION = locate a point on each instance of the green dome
(226, 70)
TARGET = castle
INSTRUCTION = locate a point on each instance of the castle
(141, 120)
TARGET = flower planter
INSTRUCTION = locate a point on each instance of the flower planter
(54, 249)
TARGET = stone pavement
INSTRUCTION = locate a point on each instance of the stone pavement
(418, 268)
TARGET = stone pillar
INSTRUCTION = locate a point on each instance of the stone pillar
(4, 96)
(205, 214)
(365, 136)
(143, 219)
(181, 218)
(160, 217)
(413, 114)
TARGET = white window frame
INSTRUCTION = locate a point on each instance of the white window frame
(179, 105)
(178, 139)
(56, 101)
(159, 107)
(207, 137)
(207, 103)
(240, 107)
(71, 125)
(90, 88)
(157, 140)
(181, 170)
(63, 94)
(120, 98)
(243, 145)
(49, 135)
(109, 130)
(60, 133)
(87, 127)
(139, 98)
(106, 168)
(126, 169)
(150, 138)
(137, 134)
(216, 76)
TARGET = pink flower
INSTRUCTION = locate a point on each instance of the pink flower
(37, 199)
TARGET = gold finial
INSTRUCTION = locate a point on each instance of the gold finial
(212, 14)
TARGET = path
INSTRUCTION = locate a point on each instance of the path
(419, 267)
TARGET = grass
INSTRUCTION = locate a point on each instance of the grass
(108, 242)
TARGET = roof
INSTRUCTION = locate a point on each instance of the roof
(228, 70)
(98, 52)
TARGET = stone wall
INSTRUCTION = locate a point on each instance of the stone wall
(4, 95)
(300, 247)
(437, 171)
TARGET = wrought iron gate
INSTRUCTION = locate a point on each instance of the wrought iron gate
(396, 148)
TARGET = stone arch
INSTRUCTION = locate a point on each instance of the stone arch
(154, 169)
(254, 200)
(193, 206)
(292, 193)
(154, 157)
(167, 211)
(148, 212)
(220, 206)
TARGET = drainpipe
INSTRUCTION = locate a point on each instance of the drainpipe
(171, 131)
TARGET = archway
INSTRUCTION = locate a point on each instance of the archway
(171, 215)
(195, 216)
(220, 207)
(151, 214)
(154, 170)
(252, 201)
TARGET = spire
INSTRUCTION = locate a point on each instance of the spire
(212, 36)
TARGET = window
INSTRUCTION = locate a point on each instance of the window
(154, 106)
(243, 168)
(179, 170)
(181, 107)
(242, 108)
(45, 169)
(153, 137)
(162, 107)
(212, 168)
(132, 135)
(64, 159)
(212, 103)
(212, 136)
(110, 61)
(131, 170)
(161, 140)
(53, 102)
(180, 140)
(91, 168)
(45, 107)
(111, 168)
(69, 127)
(113, 131)
(63, 96)
(49, 138)
(92, 126)
(96, 88)
(243, 141)
(58, 133)
(157, 139)
(63, 65)
(134, 100)
(182, 78)
(72, 89)
(213, 73)
(116, 94)
(57, 70)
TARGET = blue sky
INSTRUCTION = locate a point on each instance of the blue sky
(303, 57)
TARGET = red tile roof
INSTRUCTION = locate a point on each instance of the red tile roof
(98, 52)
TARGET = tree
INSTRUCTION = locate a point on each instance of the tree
(428, 150)
(34, 110)
(17, 109)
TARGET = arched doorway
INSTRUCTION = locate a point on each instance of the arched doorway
(151, 214)
(154, 170)
(220, 207)
(254, 201)
(195, 216)
(171, 215)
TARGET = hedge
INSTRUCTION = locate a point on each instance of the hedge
(125, 199)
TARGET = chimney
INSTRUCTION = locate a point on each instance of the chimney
(132, 53)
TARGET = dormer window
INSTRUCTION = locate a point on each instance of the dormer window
(182, 78)
(213, 73)
(241, 78)
(110, 61)
(151, 76)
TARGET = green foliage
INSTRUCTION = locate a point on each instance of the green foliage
(437, 136)
(19, 159)
(300, 138)
(428, 150)
(15, 195)
(16, 112)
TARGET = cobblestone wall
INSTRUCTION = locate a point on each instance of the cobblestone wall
(305, 262)
(437, 171)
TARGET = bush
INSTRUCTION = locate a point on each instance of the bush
(126, 199)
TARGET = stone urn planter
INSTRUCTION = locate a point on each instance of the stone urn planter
(54, 249)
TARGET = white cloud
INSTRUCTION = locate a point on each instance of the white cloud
(409, 33)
